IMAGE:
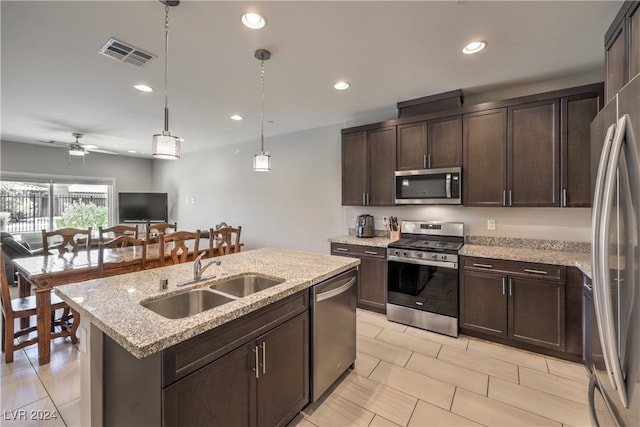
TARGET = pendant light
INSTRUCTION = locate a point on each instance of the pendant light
(165, 145)
(262, 161)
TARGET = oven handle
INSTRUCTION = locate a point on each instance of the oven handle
(443, 264)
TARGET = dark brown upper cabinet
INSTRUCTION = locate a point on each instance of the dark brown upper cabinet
(430, 144)
(622, 48)
(578, 112)
(485, 157)
(533, 152)
(368, 165)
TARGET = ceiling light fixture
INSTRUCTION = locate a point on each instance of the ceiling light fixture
(253, 20)
(165, 145)
(143, 88)
(342, 85)
(474, 47)
(262, 161)
(236, 117)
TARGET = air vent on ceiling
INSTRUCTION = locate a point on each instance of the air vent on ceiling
(125, 53)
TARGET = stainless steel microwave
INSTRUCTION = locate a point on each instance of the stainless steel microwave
(429, 187)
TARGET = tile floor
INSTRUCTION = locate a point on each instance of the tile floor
(403, 377)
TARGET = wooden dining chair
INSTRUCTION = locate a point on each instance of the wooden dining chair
(227, 240)
(127, 254)
(106, 234)
(176, 247)
(154, 230)
(66, 240)
(65, 325)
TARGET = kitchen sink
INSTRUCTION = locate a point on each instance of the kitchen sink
(187, 303)
(246, 284)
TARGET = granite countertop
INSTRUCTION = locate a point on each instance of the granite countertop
(350, 239)
(113, 304)
(554, 252)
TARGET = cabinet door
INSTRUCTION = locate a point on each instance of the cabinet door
(483, 302)
(536, 312)
(355, 168)
(577, 114)
(372, 284)
(218, 394)
(444, 137)
(615, 62)
(412, 146)
(283, 377)
(534, 154)
(485, 159)
(382, 166)
(634, 40)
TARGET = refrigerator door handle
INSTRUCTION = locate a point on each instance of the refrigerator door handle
(602, 293)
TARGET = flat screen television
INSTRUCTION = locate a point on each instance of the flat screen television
(142, 207)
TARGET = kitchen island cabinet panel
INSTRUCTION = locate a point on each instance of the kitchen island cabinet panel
(485, 157)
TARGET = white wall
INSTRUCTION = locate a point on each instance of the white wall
(130, 173)
(296, 205)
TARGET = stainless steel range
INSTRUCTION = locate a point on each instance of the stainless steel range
(423, 276)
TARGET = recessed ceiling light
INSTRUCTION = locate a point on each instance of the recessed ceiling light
(236, 117)
(474, 47)
(132, 151)
(253, 20)
(143, 88)
(342, 85)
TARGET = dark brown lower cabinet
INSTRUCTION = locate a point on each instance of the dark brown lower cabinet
(372, 274)
(513, 301)
(253, 371)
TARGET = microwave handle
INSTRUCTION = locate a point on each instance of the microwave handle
(448, 186)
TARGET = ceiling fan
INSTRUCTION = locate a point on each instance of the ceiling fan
(77, 149)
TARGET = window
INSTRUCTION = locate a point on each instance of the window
(29, 204)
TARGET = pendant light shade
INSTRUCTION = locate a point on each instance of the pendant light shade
(262, 161)
(165, 145)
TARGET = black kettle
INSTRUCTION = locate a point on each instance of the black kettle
(364, 226)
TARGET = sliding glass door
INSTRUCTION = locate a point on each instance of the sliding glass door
(30, 204)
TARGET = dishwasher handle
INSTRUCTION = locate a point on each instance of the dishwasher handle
(337, 291)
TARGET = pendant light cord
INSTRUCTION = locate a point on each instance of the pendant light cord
(262, 111)
(166, 67)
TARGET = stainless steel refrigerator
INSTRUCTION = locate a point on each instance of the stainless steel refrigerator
(614, 392)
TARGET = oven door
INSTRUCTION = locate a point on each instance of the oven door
(425, 286)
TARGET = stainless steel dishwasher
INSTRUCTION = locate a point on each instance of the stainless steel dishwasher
(333, 331)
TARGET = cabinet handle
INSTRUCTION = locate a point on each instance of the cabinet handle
(510, 287)
(482, 265)
(264, 357)
(364, 199)
(429, 161)
(528, 270)
(371, 253)
(341, 250)
(504, 197)
(510, 198)
(424, 161)
(255, 350)
(504, 285)
(564, 197)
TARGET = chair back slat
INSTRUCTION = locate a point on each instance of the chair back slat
(72, 240)
(175, 245)
(227, 240)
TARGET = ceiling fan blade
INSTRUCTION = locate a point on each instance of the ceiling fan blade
(99, 150)
(53, 143)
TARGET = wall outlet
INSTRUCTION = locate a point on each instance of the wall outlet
(491, 224)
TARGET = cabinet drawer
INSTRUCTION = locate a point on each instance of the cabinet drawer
(358, 250)
(516, 268)
(186, 357)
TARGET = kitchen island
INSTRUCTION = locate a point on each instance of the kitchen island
(138, 366)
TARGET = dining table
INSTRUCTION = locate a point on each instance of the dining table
(44, 272)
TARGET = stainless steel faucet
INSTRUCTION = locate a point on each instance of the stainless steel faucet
(198, 269)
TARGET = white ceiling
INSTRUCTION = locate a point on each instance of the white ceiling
(54, 82)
